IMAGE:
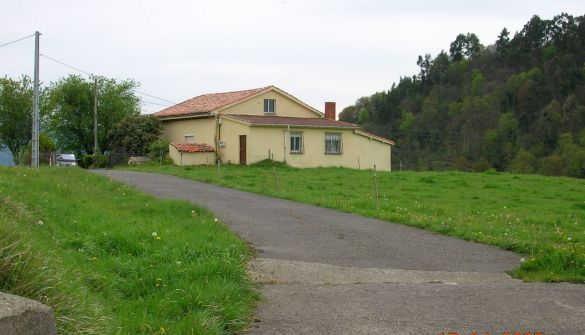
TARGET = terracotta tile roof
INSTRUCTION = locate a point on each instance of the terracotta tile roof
(208, 103)
(269, 120)
(193, 147)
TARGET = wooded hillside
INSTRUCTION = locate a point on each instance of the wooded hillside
(515, 105)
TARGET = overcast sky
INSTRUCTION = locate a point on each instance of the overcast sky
(338, 50)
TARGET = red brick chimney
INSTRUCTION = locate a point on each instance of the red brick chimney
(330, 110)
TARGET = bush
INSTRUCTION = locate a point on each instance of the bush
(85, 161)
(481, 165)
(552, 166)
(158, 150)
(135, 134)
(460, 163)
(93, 161)
(100, 161)
(524, 162)
(47, 149)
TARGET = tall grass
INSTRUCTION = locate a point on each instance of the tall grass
(541, 217)
(111, 260)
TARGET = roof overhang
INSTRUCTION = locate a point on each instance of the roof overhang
(281, 125)
(373, 137)
(188, 116)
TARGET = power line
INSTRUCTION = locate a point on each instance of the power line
(18, 40)
(152, 96)
(67, 65)
(154, 103)
(91, 75)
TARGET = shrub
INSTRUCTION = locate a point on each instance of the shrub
(85, 161)
(460, 163)
(524, 162)
(134, 134)
(158, 150)
(46, 150)
(93, 161)
(481, 165)
(552, 166)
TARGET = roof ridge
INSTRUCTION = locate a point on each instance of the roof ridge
(239, 91)
(293, 117)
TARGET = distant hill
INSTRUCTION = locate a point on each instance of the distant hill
(515, 105)
(5, 157)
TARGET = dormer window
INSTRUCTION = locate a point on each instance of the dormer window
(269, 105)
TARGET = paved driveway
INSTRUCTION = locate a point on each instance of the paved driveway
(327, 272)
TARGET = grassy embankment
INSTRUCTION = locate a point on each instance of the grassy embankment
(542, 217)
(111, 260)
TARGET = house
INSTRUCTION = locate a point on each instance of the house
(245, 127)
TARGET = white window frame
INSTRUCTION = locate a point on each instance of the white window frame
(332, 149)
(187, 136)
(267, 109)
(300, 149)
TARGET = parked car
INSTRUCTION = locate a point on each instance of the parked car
(66, 160)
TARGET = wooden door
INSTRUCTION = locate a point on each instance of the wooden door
(242, 149)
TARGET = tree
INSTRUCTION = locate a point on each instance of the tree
(525, 162)
(439, 68)
(364, 116)
(69, 110)
(472, 46)
(477, 82)
(135, 134)
(456, 48)
(464, 46)
(349, 114)
(548, 126)
(573, 156)
(16, 115)
(502, 44)
(520, 92)
(552, 166)
(425, 67)
(534, 33)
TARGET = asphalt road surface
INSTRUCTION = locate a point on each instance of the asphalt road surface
(327, 272)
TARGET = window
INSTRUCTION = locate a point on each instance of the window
(296, 142)
(269, 105)
(189, 138)
(332, 144)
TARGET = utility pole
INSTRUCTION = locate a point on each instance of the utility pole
(35, 115)
(95, 108)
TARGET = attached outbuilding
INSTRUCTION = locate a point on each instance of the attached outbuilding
(192, 154)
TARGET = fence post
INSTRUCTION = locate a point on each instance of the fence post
(275, 176)
(376, 188)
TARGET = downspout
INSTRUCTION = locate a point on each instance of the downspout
(284, 146)
(217, 138)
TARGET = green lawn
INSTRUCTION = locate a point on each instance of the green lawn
(111, 260)
(542, 217)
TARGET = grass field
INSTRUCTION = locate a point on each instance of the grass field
(111, 260)
(541, 217)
